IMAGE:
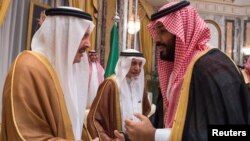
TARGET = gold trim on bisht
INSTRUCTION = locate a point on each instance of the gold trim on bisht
(180, 116)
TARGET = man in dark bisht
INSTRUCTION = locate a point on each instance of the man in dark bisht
(200, 86)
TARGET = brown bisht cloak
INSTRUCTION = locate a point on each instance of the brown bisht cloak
(33, 103)
(105, 114)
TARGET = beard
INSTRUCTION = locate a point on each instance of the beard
(170, 51)
(169, 55)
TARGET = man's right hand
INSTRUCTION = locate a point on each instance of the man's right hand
(96, 139)
(140, 131)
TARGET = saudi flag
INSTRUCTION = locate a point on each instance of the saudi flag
(113, 53)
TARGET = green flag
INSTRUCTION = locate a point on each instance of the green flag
(113, 53)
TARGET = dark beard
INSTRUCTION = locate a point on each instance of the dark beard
(163, 56)
(170, 53)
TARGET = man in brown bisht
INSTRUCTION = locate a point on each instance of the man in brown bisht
(45, 92)
(200, 86)
(96, 76)
(246, 73)
(119, 97)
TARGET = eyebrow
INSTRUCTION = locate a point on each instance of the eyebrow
(160, 27)
(136, 61)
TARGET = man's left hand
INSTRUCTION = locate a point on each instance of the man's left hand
(119, 136)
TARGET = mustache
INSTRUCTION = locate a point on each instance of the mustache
(136, 72)
(160, 44)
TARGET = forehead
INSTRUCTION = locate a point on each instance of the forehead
(87, 32)
(134, 60)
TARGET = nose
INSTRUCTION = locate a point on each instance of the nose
(137, 67)
(87, 44)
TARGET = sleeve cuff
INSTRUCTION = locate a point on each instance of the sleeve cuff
(162, 134)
